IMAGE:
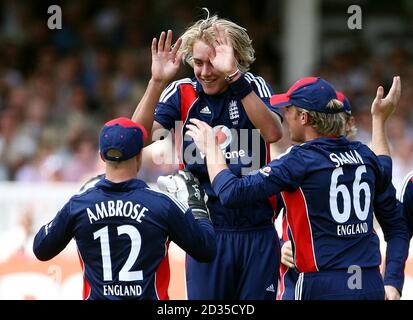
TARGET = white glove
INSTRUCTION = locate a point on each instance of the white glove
(185, 187)
(174, 185)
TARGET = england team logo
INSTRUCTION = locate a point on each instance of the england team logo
(233, 110)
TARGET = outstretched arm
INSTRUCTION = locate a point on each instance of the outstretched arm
(224, 60)
(165, 64)
(381, 109)
(233, 191)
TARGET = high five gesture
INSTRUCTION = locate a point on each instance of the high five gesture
(165, 58)
(223, 58)
(165, 64)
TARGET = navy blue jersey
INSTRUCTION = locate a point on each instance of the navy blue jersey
(242, 145)
(122, 231)
(330, 188)
(406, 197)
(288, 277)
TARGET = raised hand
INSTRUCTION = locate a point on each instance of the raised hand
(205, 140)
(384, 107)
(202, 134)
(223, 58)
(165, 58)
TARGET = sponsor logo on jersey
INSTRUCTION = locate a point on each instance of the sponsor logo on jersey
(239, 146)
(223, 135)
(47, 227)
(224, 138)
(270, 288)
(265, 171)
(205, 110)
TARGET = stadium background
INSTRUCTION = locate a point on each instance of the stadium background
(57, 87)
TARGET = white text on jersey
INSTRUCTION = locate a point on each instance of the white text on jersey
(116, 209)
(352, 229)
(346, 158)
(120, 290)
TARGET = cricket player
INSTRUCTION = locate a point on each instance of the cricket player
(122, 227)
(382, 107)
(235, 103)
(330, 187)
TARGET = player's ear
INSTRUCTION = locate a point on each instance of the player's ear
(304, 117)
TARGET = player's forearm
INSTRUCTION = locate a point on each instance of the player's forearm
(263, 119)
(396, 256)
(215, 161)
(379, 140)
(238, 192)
(390, 216)
(144, 112)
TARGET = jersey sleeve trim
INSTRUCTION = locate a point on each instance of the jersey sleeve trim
(402, 190)
(172, 89)
(263, 89)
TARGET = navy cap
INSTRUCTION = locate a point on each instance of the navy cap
(310, 93)
(123, 135)
(341, 97)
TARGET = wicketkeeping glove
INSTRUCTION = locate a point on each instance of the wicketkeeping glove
(185, 187)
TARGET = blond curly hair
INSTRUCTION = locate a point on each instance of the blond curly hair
(203, 30)
(328, 124)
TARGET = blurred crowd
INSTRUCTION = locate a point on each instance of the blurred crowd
(57, 87)
(359, 76)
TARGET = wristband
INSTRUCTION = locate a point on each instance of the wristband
(241, 87)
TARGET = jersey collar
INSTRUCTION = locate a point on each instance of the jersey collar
(121, 186)
(330, 141)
